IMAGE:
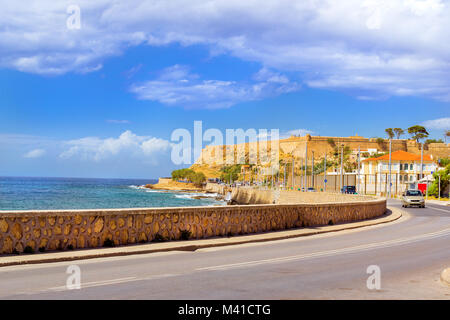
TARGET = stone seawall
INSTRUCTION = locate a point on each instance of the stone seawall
(61, 230)
(244, 195)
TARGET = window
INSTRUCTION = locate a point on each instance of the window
(406, 178)
(401, 167)
(411, 167)
(413, 193)
(410, 178)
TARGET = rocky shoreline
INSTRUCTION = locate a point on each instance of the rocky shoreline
(182, 188)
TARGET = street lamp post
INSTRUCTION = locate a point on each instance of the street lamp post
(421, 163)
(306, 165)
(439, 186)
(390, 167)
(359, 170)
(293, 173)
(342, 167)
(271, 174)
(302, 177)
(325, 174)
(312, 169)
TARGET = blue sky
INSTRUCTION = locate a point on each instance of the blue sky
(103, 100)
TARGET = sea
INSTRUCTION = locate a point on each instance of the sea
(23, 193)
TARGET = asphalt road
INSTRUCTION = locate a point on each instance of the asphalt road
(410, 253)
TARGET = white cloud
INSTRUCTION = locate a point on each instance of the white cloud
(177, 87)
(36, 153)
(118, 121)
(379, 47)
(127, 145)
(442, 123)
(25, 140)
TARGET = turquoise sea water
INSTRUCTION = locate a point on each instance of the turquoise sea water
(76, 193)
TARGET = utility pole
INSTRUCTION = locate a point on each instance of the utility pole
(325, 174)
(278, 176)
(359, 170)
(390, 167)
(293, 172)
(284, 177)
(312, 169)
(271, 174)
(439, 186)
(342, 167)
(421, 163)
(306, 165)
(302, 177)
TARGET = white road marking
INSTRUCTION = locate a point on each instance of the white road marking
(96, 283)
(378, 245)
(112, 282)
(88, 261)
(433, 208)
(405, 216)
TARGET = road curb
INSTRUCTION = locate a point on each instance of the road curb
(445, 277)
(192, 245)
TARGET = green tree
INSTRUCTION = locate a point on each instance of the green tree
(433, 141)
(390, 133)
(182, 174)
(443, 162)
(418, 132)
(230, 173)
(433, 190)
(198, 178)
(334, 161)
(398, 132)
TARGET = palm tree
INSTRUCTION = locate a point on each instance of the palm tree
(390, 132)
(446, 135)
(398, 132)
(418, 132)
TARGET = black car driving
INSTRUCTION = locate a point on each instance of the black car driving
(348, 189)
